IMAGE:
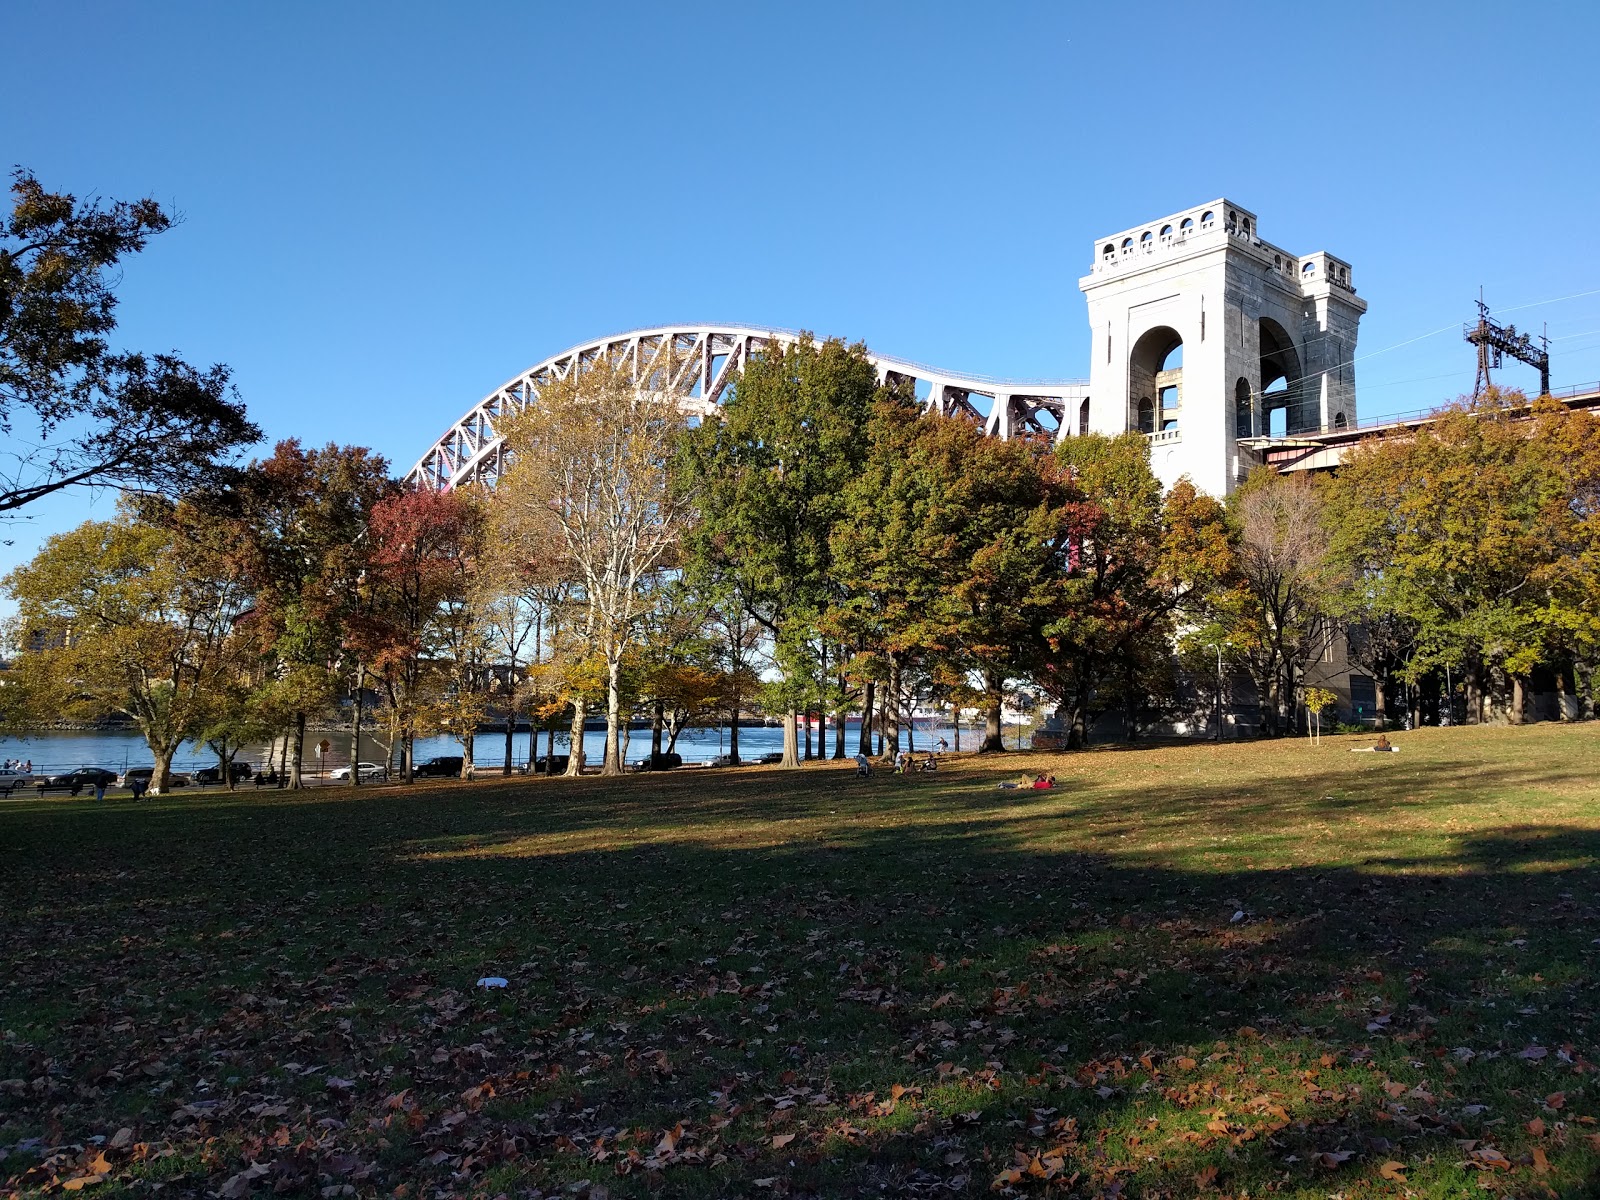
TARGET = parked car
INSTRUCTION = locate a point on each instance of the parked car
(775, 757)
(11, 777)
(146, 774)
(446, 765)
(81, 778)
(552, 764)
(370, 773)
(239, 770)
(725, 760)
(664, 761)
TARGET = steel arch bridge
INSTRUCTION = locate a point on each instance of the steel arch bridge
(696, 363)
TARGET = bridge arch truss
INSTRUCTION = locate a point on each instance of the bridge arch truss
(697, 363)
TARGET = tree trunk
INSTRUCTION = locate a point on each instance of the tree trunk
(224, 761)
(657, 713)
(1565, 707)
(864, 734)
(355, 731)
(469, 746)
(580, 714)
(993, 702)
(299, 749)
(955, 722)
(805, 719)
(612, 764)
(1380, 704)
(1519, 700)
(791, 737)
(838, 734)
(161, 776)
(511, 733)
(733, 733)
(1474, 688)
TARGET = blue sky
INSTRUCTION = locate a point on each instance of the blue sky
(390, 209)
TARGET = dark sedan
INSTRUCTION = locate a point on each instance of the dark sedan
(76, 781)
(448, 765)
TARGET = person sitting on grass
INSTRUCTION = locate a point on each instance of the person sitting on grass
(863, 766)
(1043, 782)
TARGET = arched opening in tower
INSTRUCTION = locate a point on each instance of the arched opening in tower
(1281, 382)
(1155, 381)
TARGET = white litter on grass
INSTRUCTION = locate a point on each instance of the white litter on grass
(491, 981)
(1237, 917)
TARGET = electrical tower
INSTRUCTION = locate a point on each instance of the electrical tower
(1493, 340)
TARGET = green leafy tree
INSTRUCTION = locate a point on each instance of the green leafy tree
(769, 479)
(74, 412)
(957, 552)
(1479, 531)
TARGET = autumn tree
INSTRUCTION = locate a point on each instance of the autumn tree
(1479, 532)
(301, 519)
(770, 477)
(589, 477)
(73, 411)
(1145, 563)
(112, 617)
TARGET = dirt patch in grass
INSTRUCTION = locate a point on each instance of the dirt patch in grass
(1264, 968)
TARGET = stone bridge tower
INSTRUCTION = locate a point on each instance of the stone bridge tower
(1205, 338)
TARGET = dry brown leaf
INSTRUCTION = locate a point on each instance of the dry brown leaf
(780, 1140)
(1536, 1127)
(1393, 1170)
(1541, 1163)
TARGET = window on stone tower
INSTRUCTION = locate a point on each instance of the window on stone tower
(1083, 417)
(1243, 422)
(1169, 400)
(1186, 227)
(1166, 233)
(1147, 415)
(1109, 252)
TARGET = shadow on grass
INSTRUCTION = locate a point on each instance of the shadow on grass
(733, 954)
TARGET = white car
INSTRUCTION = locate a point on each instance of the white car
(11, 778)
(370, 773)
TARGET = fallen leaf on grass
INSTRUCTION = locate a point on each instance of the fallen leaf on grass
(1541, 1163)
(1393, 1170)
(1556, 1100)
(1533, 1053)
(238, 1185)
(1006, 1178)
(1206, 1178)
(1333, 1158)
(780, 1140)
(1536, 1127)
(669, 1140)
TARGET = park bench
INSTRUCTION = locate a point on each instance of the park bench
(45, 786)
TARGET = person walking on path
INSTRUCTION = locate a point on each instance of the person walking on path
(99, 788)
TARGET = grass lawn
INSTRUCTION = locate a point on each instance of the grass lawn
(1241, 970)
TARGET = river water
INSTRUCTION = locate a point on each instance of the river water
(56, 751)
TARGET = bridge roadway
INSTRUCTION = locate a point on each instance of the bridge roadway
(697, 362)
(1324, 451)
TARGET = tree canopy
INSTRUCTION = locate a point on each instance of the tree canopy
(73, 410)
